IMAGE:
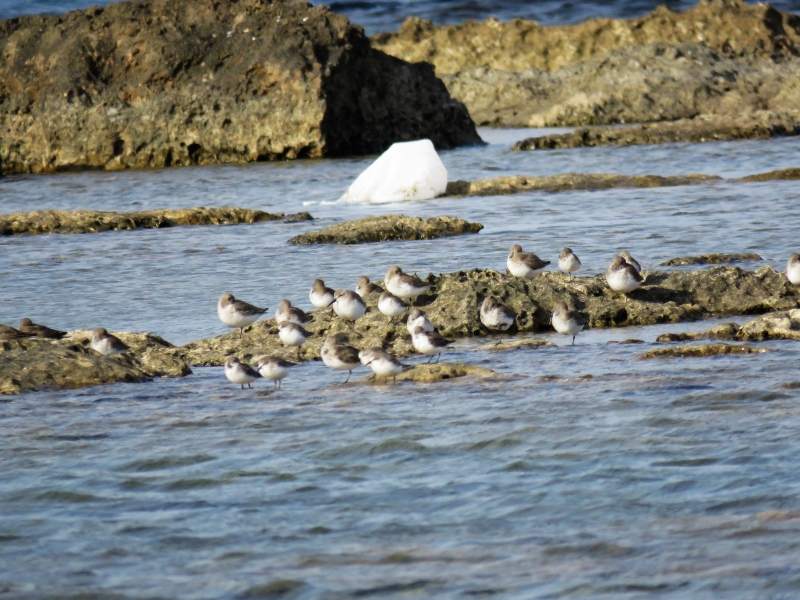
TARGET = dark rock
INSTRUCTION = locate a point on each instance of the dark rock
(298, 217)
(387, 227)
(709, 128)
(710, 259)
(93, 221)
(453, 308)
(36, 364)
(783, 325)
(157, 83)
(429, 373)
(780, 175)
(723, 331)
(524, 344)
(701, 350)
(628, 341)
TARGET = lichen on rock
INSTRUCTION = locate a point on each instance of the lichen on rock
(35, 364)
(387, 227)
(93, 221)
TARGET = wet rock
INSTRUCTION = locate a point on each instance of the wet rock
(779, 175)
(429, 373)
(158, 83)
(792, 385)
(701, 350)
(708, 128)
(524, 344)
(784, 325)
(453, 308)
(710, 259)
(636, 84)
(723, 331)
(35, 364)
(628, 341)
(562, 379)
(730, 27)
(387, 227)
(566, 182)
(93, 221)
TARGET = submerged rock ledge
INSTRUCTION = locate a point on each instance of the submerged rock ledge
(35, 364)
(93, 221)
(566, 182)
(387, 227)
(710, 259)
(783, 325)
(453, 308)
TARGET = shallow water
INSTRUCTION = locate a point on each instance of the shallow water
(580, 472)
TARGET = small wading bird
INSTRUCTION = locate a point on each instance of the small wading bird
(568, 322)
(106, 343)
(568, 262)
(524, 264)
(417, 318)
(293, 335)
(288, 313)
(237, 313)
(273, 368)
(348, 305)
(9, 333)
(391, 306)
(622, 276)
(337, 355)
(28, 326)
(496, 316)
(429, 343)
(405, 286)
(239, 372)
(793, 269)
(320, 296)
(382, 363)
(365, 287)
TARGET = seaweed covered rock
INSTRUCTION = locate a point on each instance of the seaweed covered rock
(35, 364)
(453, 306)
(387, 227)
(156, 83)
(94, 221)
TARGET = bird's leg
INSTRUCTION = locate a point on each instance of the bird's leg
(374, 375)
(429, 360)
(348, 376)
(298, 353)
(437, 358)
(249, 387)
(242, 386)
(573, 340)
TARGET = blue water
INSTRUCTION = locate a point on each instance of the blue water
(579, 472)
(388, 15)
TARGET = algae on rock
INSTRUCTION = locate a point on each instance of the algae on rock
(387, 227)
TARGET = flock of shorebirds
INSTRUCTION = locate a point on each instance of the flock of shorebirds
(401, 291)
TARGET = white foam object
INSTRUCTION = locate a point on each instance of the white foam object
(406, 171)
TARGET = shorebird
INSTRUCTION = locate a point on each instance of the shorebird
(793, 269)
(566, 321)
(337, 355)
(524, 264)
(9, 333)
(417, 318)
(273, 368)
(382, 363)
(568, 262)
(403, 285)
(496, 316)
(28, 326)
(391, 306)
(631, 261)
(287, 312)
(429, 342)
(320, 296)
(106, 343)
(239, 372)
(365, 287)
(348, 305)
(622, 276)
(237, 313)
(292, 334)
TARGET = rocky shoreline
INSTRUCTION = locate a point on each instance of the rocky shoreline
(161, 83)
(387, 227)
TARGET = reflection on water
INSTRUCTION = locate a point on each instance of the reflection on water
(580, 472)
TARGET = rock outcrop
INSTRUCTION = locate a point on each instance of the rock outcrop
(156, 83)
(93, 221)
(783, 325)
(723, 57)
(387, 227)
(35, 364)
(701, 350)
(454, 302)
(430, 373)
(718, 258)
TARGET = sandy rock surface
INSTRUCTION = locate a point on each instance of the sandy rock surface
(93, 221)
(387, 227)
(35, 364)
(177, 82)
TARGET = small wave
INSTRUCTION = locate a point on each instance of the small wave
(190, 484)
(166, 462)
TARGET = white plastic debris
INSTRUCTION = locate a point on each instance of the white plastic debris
(406, 171)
